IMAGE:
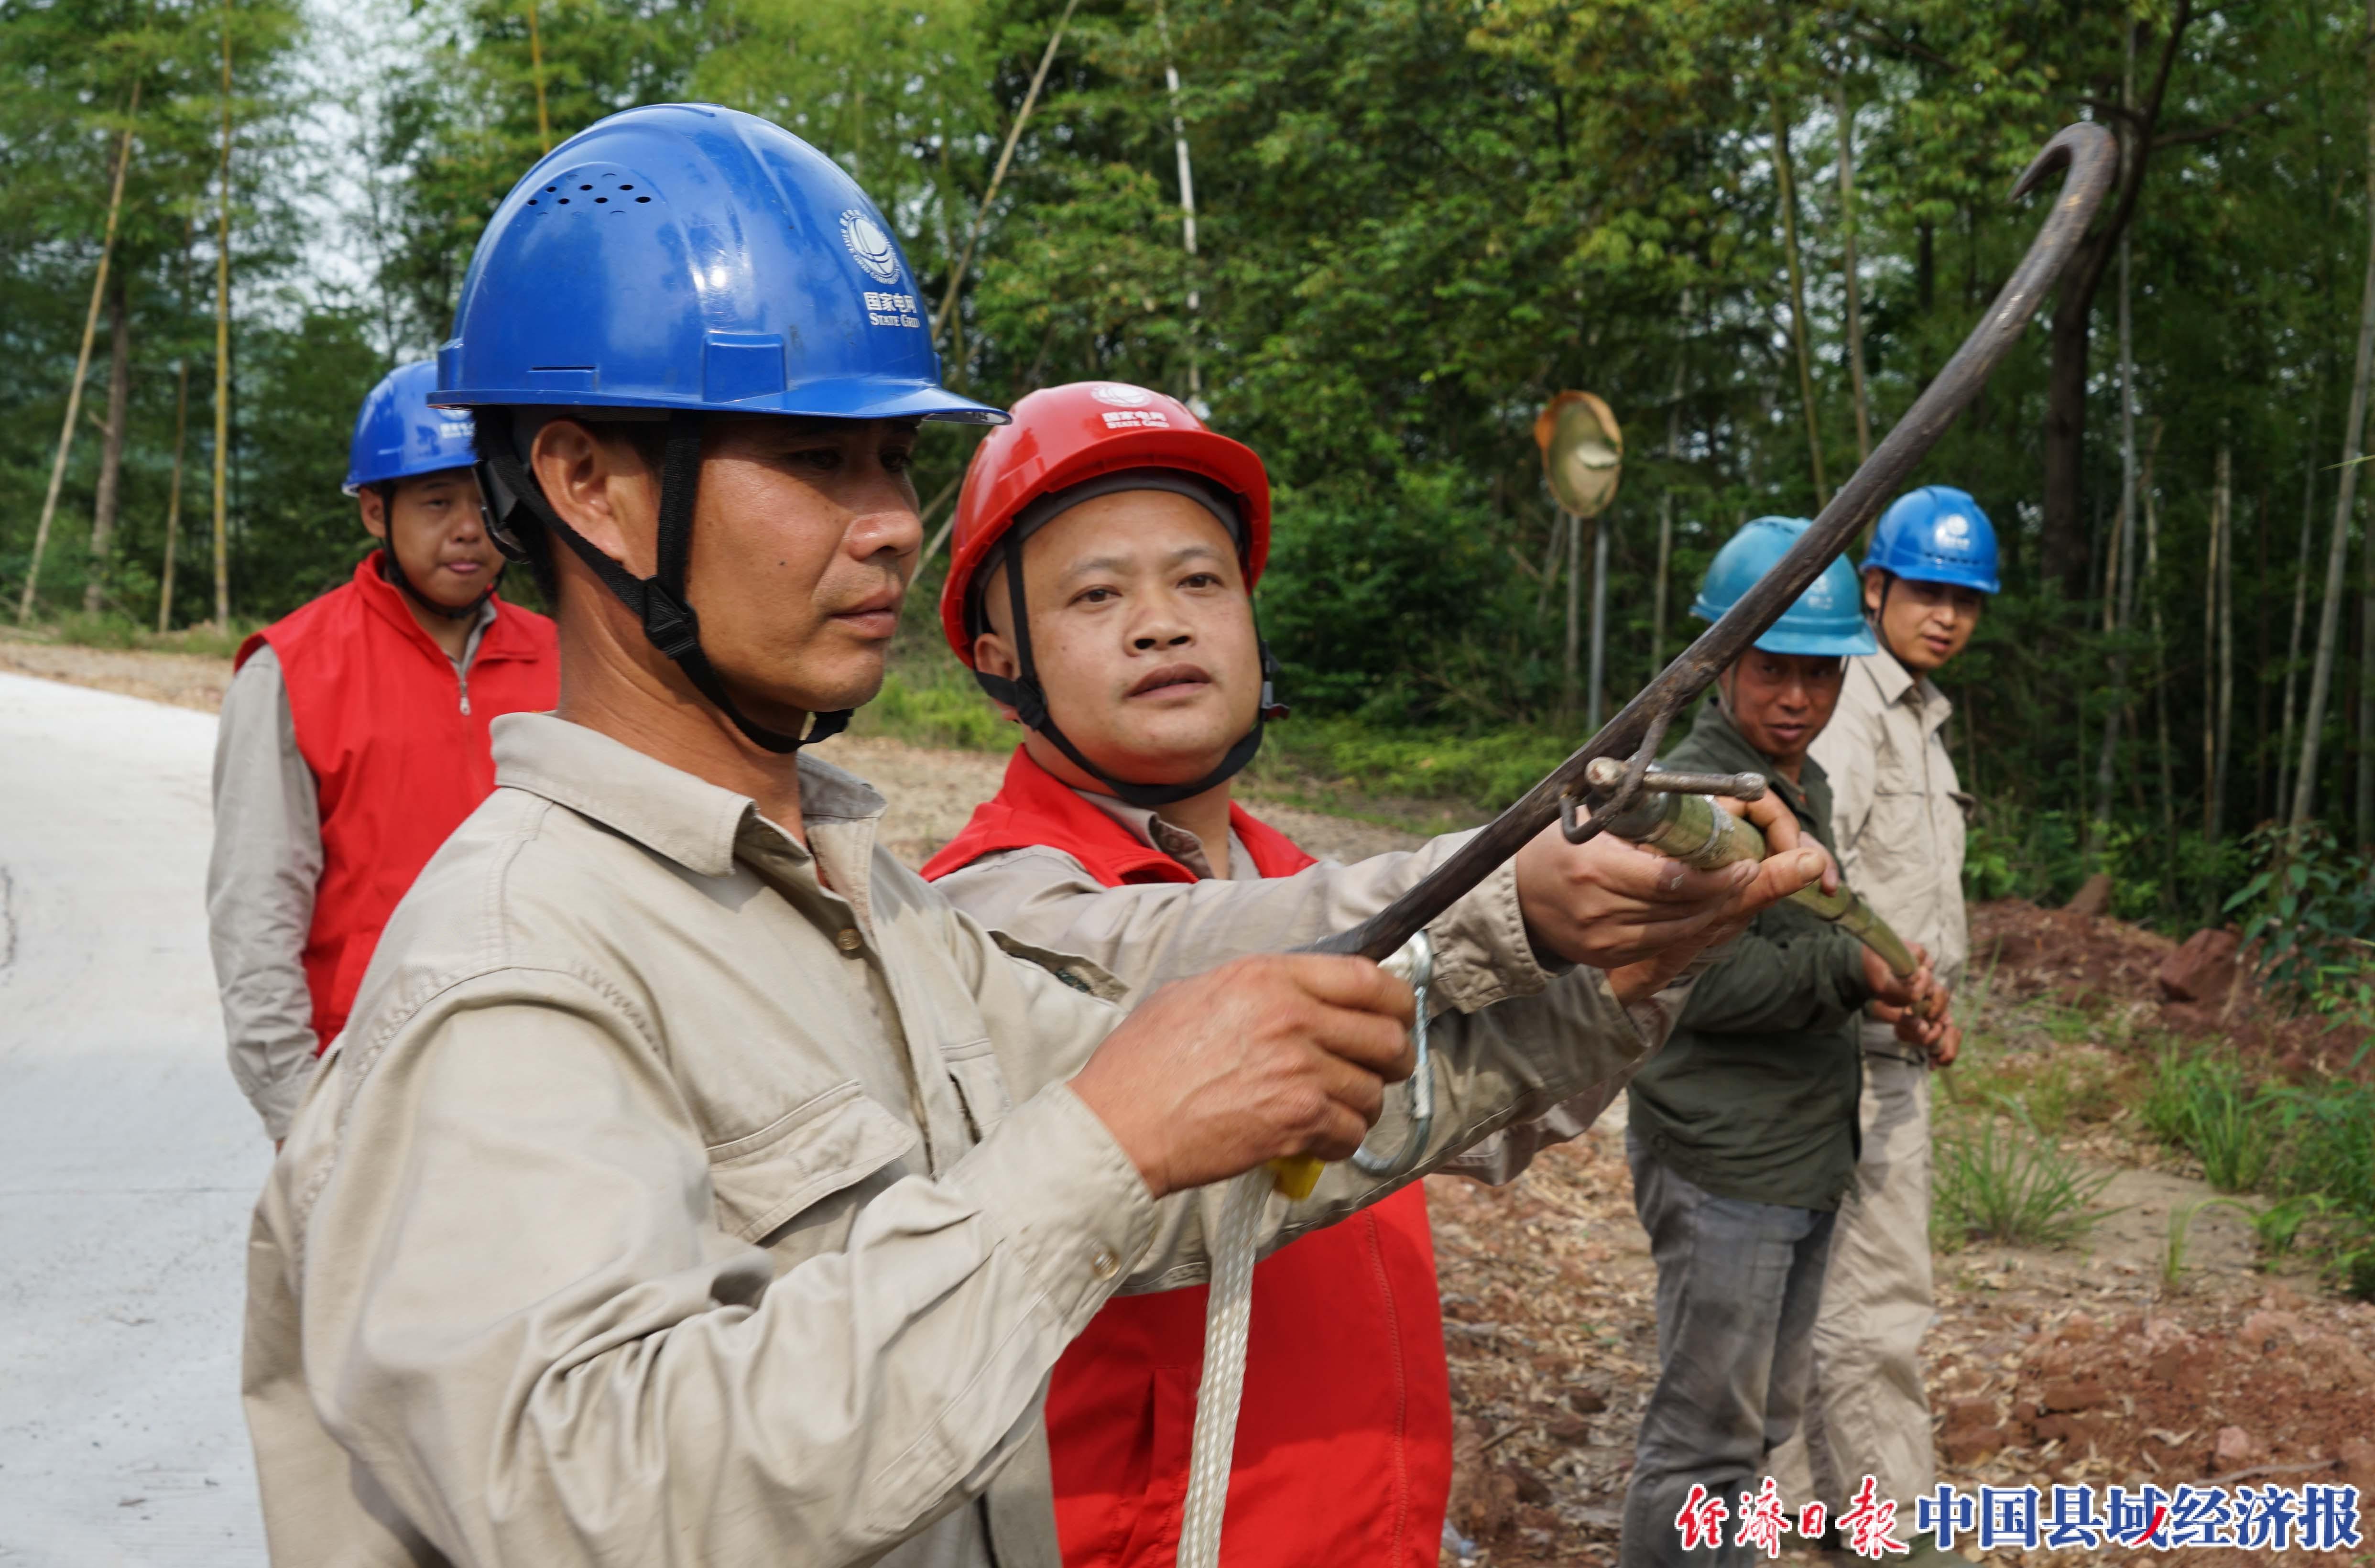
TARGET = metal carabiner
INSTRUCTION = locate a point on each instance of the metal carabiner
(1421, 962)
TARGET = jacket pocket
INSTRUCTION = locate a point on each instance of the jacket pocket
(810, 1152)
(1153, 1519)
(981, 1084)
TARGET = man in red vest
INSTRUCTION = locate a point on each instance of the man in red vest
(354, 739)
(1115, 837)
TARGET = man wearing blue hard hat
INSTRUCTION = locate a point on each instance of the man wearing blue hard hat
(353, 739)
(1743, 1130)
(692, 1183)
(1897, 810)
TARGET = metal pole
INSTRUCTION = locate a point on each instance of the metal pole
(1598, 622)
(1574, 613)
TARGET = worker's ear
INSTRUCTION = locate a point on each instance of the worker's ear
(374, 511)
(992, 655)
(1875, 589)
(601, 486)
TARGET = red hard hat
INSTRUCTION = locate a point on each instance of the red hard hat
(1065, 435)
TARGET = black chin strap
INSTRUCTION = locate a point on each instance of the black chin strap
(658, 601)
(1024, 695)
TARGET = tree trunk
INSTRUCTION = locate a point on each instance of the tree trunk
(1665, 568)
(1552, 555)
(2293, 649)
(2160, 662)
(2221, 501)
(82, 365)
(173, 497)
(2354, 436)
(105, 502)
(1786, 180)
(2064, 544)
(1854, 285)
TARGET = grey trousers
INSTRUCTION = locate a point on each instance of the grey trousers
(1738, 1287)
(1867, 1413)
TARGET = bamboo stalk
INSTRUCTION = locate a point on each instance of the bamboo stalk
(997, 175)
(2213, 567)
(107, 501)
(1787, 183)
(2225, 753)
(82, 364)
(173, 495)
(2354, 436)
(1848, 243)
(222, 352)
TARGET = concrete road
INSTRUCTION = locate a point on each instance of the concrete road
(128, 1162)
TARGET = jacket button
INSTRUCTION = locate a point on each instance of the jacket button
(848, 939)
(1104, 1265)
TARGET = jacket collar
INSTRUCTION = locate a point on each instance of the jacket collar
(1034, 808)
(666, 809)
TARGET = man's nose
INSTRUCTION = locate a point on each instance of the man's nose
(1148, 641)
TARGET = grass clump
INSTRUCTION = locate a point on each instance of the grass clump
(2203, 1102)
(1999, 1179)
(928, 708)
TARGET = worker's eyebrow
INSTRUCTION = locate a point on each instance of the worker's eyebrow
(1098, 565)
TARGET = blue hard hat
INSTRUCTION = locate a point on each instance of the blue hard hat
(398, 434)
(1826, 621)
(1937, 534)
(686, 256)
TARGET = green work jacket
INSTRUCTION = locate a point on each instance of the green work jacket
(1755, 1096)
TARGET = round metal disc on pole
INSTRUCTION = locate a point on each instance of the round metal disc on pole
(1583, 451)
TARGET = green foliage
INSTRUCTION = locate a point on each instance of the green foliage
(1998, 1179)
(2311, 922)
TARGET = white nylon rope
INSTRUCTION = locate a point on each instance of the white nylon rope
(1228, 1312)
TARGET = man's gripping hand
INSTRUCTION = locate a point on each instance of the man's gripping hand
(1642, 917)
(1257, 1060)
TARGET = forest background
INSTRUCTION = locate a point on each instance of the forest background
(1756, 230)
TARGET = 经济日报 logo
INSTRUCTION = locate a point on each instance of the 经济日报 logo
(871, 246)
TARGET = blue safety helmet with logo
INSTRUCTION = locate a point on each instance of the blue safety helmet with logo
(399, 436)
(1826, 621)
(1937, 534)
(689, 260)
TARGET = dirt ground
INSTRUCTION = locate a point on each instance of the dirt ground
(2074, 1365)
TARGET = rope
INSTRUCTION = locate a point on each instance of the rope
(1229, 1304)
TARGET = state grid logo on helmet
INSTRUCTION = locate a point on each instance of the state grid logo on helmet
(1121, 395)
(871, 246)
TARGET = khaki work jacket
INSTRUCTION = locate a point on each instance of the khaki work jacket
(1896, 807)
(678, 1194)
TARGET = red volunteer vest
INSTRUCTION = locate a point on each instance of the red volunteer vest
(1344, 1450)
(398, 748)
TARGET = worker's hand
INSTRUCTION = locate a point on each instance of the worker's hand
(1949, 1045)
(1771, 816)
(1610, 903)
(1260, 1060)
(1908, 992)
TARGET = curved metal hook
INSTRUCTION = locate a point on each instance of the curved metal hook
(2087, 151)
